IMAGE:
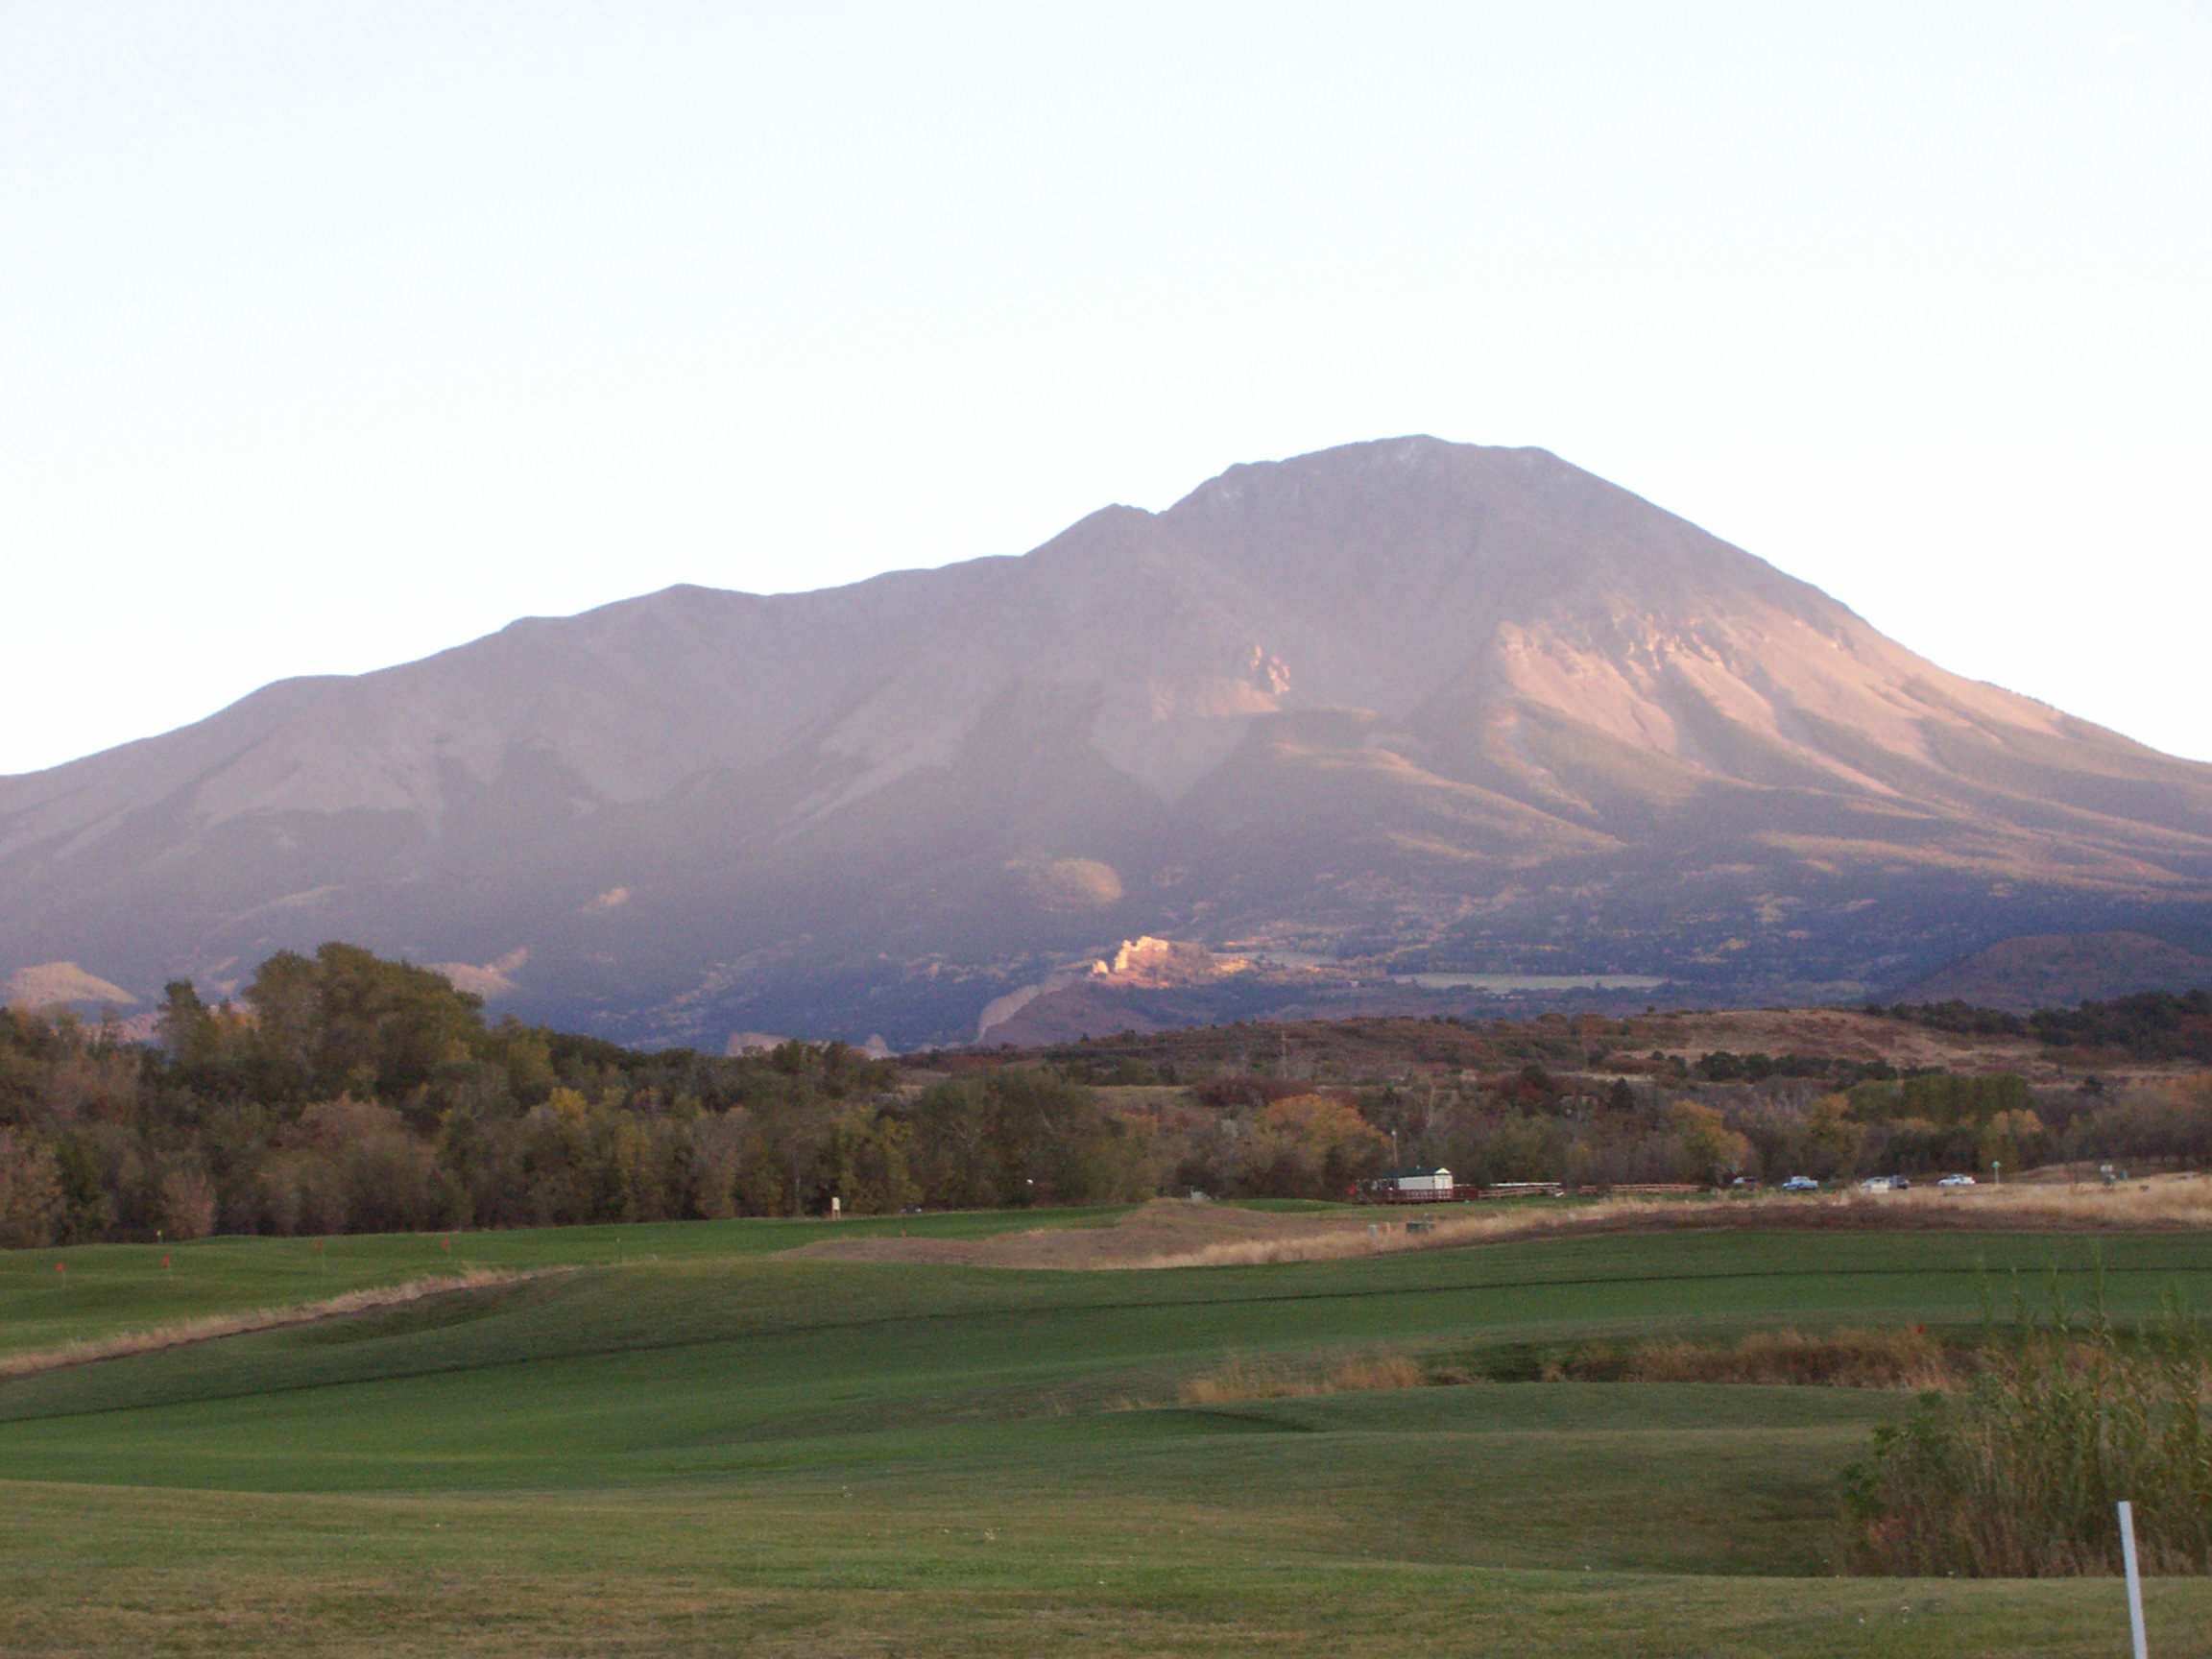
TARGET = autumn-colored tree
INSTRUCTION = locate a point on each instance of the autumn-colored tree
(1309, 1146)
(184, 1198)
(2007, 1137)
(1832, 1140)
(1710, 1151)
(32, 1210)
(717, 1158)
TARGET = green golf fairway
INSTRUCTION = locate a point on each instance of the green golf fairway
(690, 1444)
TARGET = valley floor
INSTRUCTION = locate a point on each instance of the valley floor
(685, 1439)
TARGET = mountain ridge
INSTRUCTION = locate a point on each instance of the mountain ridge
(1405, 702)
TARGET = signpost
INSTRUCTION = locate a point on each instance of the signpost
(2134, 1580)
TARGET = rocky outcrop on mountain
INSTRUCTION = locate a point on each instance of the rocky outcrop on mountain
(1408, 705)
(1101, 989)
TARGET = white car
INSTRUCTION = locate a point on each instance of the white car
(1956, 1181)
(1800, 1183)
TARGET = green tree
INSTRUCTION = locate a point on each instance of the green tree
(1832, 1140)
(867, 1163)
(346, 1020)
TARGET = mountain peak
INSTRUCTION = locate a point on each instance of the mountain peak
(1403, 702)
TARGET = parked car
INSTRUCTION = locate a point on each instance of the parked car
(1879, 1184)
(1956, 1181)
(1800, 1183)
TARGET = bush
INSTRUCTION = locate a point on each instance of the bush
(2020, 1475)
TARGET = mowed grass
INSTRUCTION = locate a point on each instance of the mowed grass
(49, 1298)
(698, 1446)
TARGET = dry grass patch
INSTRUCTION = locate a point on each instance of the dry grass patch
(215, 1326)
(1240, 1378)
(1909, 1359)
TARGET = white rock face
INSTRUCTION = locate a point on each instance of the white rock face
(60, 985)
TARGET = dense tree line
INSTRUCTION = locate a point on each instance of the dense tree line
(343, 1093)
(2149, 1026)
(1927, 1123)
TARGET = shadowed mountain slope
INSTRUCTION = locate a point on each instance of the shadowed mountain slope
(2060, 970)
(1423, 705)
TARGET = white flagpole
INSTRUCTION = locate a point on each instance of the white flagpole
(2134, 1580)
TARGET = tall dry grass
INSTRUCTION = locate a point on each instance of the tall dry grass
(214, 1326)
(2020, 1473)
(1846, 1358)
(2168, 1201)
(1240, 1378)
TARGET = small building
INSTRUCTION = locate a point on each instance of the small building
(1414, 1186)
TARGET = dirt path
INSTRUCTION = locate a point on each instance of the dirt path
(1165, 1227)
(219, 1325)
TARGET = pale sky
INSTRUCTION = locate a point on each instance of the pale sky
(333, 335)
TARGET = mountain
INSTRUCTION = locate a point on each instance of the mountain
(1414, 706)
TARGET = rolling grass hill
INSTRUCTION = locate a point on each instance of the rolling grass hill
(686, 1441)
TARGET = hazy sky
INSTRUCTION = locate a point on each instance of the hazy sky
(332, 336)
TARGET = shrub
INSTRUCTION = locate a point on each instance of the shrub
(2020, 1473)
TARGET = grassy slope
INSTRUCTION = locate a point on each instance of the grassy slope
(719, 1451)
(101, 1289)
